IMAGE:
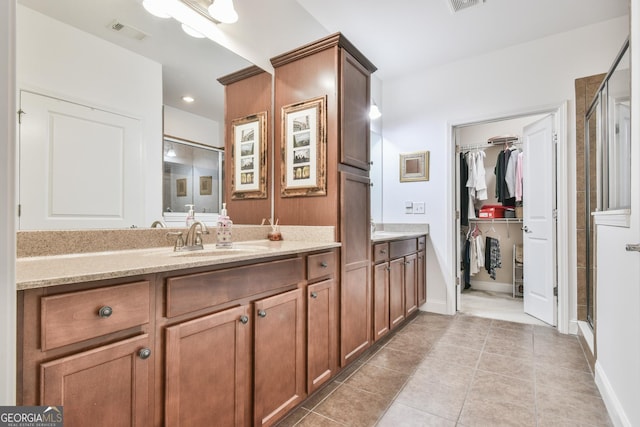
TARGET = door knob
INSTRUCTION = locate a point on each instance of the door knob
(526, 229)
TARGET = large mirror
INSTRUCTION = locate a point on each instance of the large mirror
(114, 57)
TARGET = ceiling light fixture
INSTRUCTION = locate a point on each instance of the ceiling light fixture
(188, 98)
(193, 33)
(223, 11)
(155, 8)
(374, 112)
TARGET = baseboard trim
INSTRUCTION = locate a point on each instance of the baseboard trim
(439, 307)
(492, 286)
(616, 412)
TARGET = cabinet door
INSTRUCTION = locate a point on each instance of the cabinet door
(207, 370)
(410, 284)
(355, 130)
(279, 375)
(322, 345)
(422, 280)
(107, 386)
(380, 300)
(396, 292)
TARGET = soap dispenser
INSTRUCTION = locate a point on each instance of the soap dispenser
(223, 231)
(190, 215)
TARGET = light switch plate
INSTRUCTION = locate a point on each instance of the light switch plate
(418, 207)
(408, 207)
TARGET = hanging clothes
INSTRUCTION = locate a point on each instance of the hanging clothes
(502, 190)
(476, 181)
(519, 175)
(464, 198)
(495, 258)
(510, 173)
(466, 260)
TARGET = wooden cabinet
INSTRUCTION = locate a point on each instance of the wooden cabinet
(399, 284)
(279, 365)
(208, 370)
(106, 386)
(91, 352)
(396, 292)
(322, 320)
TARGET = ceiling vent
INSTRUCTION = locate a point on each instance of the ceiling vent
(458, 5)
(127, 30)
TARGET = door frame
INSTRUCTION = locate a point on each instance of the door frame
(564, 264)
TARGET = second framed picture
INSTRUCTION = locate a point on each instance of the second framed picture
(249, 157)
(304, 148)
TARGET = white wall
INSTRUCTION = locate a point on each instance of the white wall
(618, 281)
(419, 107)
(184, 125)
(7, 200)
(58, 60)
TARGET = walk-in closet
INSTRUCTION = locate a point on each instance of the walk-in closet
(491, 195)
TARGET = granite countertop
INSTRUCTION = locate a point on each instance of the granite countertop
(382, 236)
(43, 271)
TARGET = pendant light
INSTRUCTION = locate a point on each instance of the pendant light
(223, 11)
(155, 8)
(374, 112)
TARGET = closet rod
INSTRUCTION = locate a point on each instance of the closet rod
(460, 148)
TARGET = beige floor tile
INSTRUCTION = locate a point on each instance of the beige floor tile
(568, 358)
(411, 343)
(555, 377)
(484, 413)
(506, 365)
(320, 395)
(438, 399)
(500, 388)
(374, 379)
(508, 347)
(399, 415)
(464, 356)
(502, 324)
(463, 339)
(401, 361)
(441, 372)
(293, 418)
(353, 407)
(565, 404)
(315, 420)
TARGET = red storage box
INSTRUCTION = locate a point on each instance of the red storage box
(491, 211)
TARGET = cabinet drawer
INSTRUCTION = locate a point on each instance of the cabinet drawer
(193, 292)
(380, 252)
(403, 247)
(321, 265)
(73, 317)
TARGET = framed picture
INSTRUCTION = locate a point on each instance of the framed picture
(304, 148)
(414, 166)
(181, 187)
(206, 185)
(249, 157)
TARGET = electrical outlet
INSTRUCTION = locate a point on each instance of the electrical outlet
(408, 207)
(418, 208)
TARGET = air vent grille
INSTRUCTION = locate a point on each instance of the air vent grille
(458, 5)
(127, 30)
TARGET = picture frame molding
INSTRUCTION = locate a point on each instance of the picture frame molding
(252, 165)
(417, 170)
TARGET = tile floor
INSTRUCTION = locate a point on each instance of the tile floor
(461, 371)
(496, 305)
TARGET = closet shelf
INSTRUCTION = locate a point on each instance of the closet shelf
(495, 219)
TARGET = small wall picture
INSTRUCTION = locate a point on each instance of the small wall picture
(414, 166)
(248, 157)
(304, 148)
(206, 184)
(181, 187)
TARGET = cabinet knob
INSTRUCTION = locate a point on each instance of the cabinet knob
(262, 313)
(323, 264)
(314, 295)
(244, 320)
(144, 353)
(407, 262)
(105, 311)
(388, 268)
(383, 251)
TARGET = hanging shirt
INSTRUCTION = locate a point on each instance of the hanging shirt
(519, 175)
(510, 173)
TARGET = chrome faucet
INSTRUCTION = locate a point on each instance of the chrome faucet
(193, 241)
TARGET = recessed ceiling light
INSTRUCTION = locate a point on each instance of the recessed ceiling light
(188, 99)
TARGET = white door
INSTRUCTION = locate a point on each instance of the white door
(539, 225)
(79, 167)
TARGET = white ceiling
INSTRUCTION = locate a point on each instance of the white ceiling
(396, 35)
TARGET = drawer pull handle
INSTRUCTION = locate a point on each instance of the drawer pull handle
(323, 264)
(314, 295)
(244, 320)
(262, 313)
(144, 353)
(388, 268)
(105, 311)
(383, 251)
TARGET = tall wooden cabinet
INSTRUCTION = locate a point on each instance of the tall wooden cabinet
(334, 69)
